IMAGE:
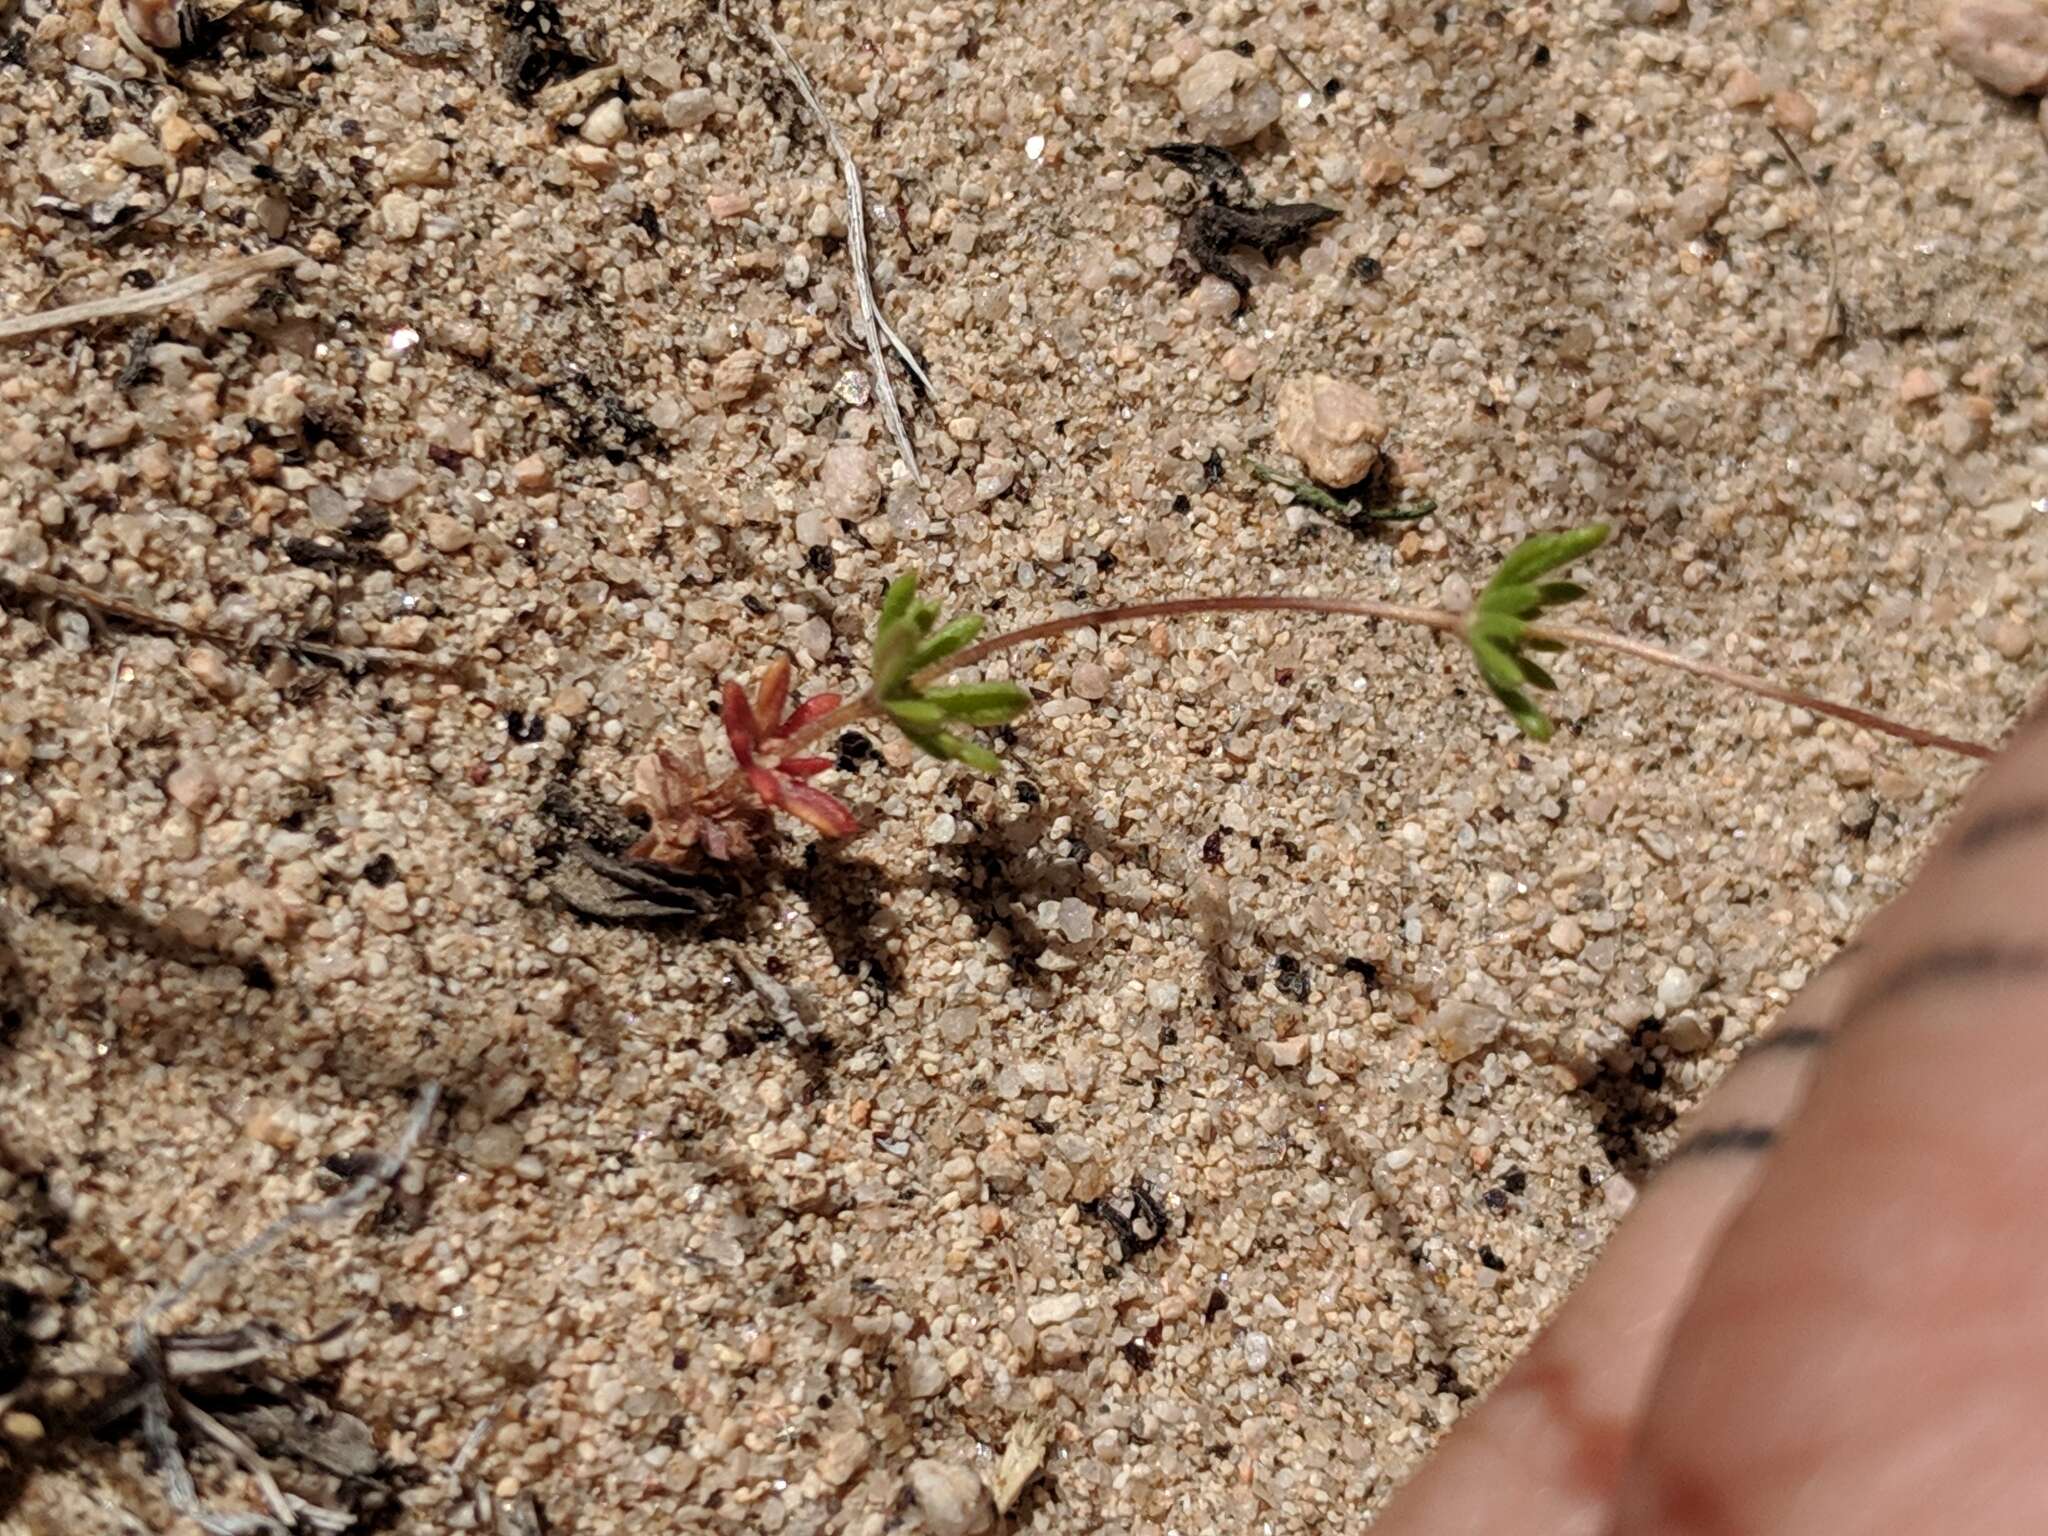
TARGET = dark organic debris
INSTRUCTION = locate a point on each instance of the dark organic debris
(1222, 178)
(1211, 232)
(1356, 507)
(1230, 214)
(597, 885)
(1137, 1219)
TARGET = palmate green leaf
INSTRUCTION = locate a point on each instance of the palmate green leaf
(1497, 629)
(908, 640)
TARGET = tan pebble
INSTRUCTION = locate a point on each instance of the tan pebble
(1460, 1029)
(1566, 936)
(1965, 426)
(732, 380)
(263, 463)
(1850, 765)
(2003, 43)
(1240, 363)
(20, 1427)
(178, 136)
(1091, 681)
(572, 702)
(849, 483)
(1917, 384)
(844, 1455)
(532, 473)
(389, 910)
(193, 784)
(1795, 114)
(1213, 299)
(212, 672)
(606, 124)
(1381, 171)
(497, 1146)
(422, 163)
(1226, 98)
(450, 535)
(1745, 87)
(1332, 426)
(729, 205)
(2012, 639)
(592, 159)
(1704, 199)
(272, 1129)
(1285, 1054)
(951, 1498)
(399, 214)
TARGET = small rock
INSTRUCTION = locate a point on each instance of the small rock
(686, 109)
(950, 1498)
(450, 535)
(606, 124)
(1226, 99)
(390, 486)
(1688, 1033)
(193, 784)
(572, 702)
(422, 163)
(1381, 170)
(1704, 199)
(729, 205)
(532, 473)
(844, 1455)
(496, 1146)
(1566, 936)
(924, 1377)
(1643, 12)
(178, 136)
(1917, 384)
(1076, 920)
(2007, 517)
(1332, 426)
(1286, 1054)
(20, 1427)
(399, 213)
(213, 673)
(2004, 43)
(1675, 990)
(849, 483)
(1966, 425)
(2012, 639)
(1745, 87)
(1213, 299)
(1795, 114)
(1048, 1310)
(1461, 1029)
(1850, 765)
(732, 380)
(1091, 681)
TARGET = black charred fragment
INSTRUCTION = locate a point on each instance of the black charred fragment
(1137, 1219)
(1211, 233)
(1230, 214)
(1222, 179)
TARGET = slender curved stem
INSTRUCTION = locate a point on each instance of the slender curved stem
(1763, 687)
(1444, 620)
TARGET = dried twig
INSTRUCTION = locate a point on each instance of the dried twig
(1831, 316)
(352, 658)
(161, 1400)
(149, 301)
(874, 326)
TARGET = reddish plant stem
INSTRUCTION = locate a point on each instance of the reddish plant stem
(865, 704)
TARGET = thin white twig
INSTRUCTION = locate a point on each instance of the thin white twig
(150, 300)
(160, 1399)
(875, 329)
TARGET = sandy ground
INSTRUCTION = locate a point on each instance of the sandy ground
(545, 408)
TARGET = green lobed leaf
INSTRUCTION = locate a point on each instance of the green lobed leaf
(981, 703)
(948, 640)
(1497, 628)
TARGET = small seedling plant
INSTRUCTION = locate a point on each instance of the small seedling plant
(694, 815)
